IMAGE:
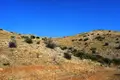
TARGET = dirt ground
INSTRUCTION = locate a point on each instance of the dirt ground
(55, 73)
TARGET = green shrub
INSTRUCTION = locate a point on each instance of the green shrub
(117, 42)
(32, 37)
(85, 39)
(116, 61)
(117, 38)
(79, 54)
(28, 40)
(107, 61)
(1, 29)
(80, 39)
(12, 43)
(93, 50)
(44, 39)
(50, 44)
(67, 56)
(100, 38)
(38, 42)
(63, 47)
(37, 37)
(118, 47)
(24, 37)
(92, 33)
(106, 44)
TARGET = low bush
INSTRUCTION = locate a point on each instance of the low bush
(106, 44)
(100, 38)
(50, 44)
(32, 37)
(28, 40)
(38, 42)
(80, 39)
(63, 47)
(117, 38)
(73, 40)
(1, 29)
(44, 39)
(118, 47)
(37, 37)
(107, 61)
(85, 39)
(117, 42)
(12, 45)
(67, 56)
(116, 61)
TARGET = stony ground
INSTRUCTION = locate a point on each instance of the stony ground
(37, 62)
(53, 72)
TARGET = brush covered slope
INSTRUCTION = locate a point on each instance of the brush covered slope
(100, 42)
(29, 57)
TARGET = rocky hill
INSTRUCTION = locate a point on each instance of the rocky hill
(99, 42)
(29, 57)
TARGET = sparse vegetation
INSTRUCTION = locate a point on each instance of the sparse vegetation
(32, 37)
(80, 39)
(67, 56)
(63, 47)
(12, 43)
(1, 29)
(28, 40)
(93, 50)
(118, 47)
(38, 42)
(73, 40)
(100, 38)
(49, 43)
(116, 61)
(106, 44)
(85, 39)
(37, 37)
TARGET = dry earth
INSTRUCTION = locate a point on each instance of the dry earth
(37, 62)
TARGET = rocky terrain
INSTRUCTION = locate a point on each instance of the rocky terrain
(29, 57)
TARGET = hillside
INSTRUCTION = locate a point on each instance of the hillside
(101, 42)
(30, 58)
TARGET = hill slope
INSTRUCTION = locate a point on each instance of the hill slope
(101, 42)
(35, 61)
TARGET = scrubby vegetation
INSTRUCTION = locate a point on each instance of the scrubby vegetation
(106, 44)
(37, 37)
(28, 40)
(50, 43)
(12, 43)
(1, 29)
(67, 56)
(32, 37)
(63, 47)
(93, 50)
(100, 38)
(38, 42)
(85, 39)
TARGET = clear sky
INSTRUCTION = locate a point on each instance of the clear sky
(57, 18)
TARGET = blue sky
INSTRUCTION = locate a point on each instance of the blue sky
(55, 18)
